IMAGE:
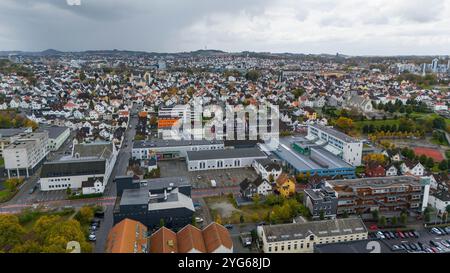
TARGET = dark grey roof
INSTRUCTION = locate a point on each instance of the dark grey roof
(166, 182)
(73, 168)
(376, 182)
(442, 195)
(326, 228)
(96, 149)
(54, 131)
(268, 164)
(155, 143)
(12, 131)
(90, 182)
(225, 154)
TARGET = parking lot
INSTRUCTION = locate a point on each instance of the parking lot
(422, 244)
(202, 179)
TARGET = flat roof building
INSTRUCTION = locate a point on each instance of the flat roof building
(223, 159)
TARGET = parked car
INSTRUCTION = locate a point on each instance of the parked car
(198, 220)
(100, 214)
(433, 243)
(380, 235)
(445, 243)
(401, 235)
(411, 234)
(416, 234)
(396, 248)
(92, 237)
(387, 235)
(442, 231)
(436, 231)
(228, 226)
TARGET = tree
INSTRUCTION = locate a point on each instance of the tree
(256, 199)
(253, 75)
(345, 214)
(322, 215)
(12, 183)
(345, 124)
(403, 218)
(447, 209)
(443, 165)
(241, 219)
(11, 231)
(394, 221)
(218, 219)
(382, 221)
(375, 215)
(161, 223)
(85, 214)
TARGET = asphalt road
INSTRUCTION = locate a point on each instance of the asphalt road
(110, 190)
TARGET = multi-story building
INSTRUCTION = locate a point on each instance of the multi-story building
(338, 143)
(153, 201)
(386, 194)
(301, 237)
(171, 149)
(89, 168)
(25, 154)
(57, 135)
(10, 134)
(321, 201)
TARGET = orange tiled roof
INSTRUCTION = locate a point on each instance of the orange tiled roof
(125, 236)
(216, 235)
(163, 241)
(190, 238)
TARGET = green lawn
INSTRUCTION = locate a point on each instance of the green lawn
(6, 195)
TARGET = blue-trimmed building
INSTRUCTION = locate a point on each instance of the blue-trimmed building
(299, 155)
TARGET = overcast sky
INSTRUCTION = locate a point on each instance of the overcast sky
(356, 27)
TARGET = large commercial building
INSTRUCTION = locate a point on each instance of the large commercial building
(171, 149)
(301, 237)
(25, 154)
(302, 156)
(385, 194)
(338, 143)
(89, 168)
(153, 201)
(223, 159)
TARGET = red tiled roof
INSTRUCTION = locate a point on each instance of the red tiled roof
(429, 152)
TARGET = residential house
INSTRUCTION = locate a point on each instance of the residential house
(285, 185)
(251, 188)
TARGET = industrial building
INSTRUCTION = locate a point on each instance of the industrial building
(302, 156)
